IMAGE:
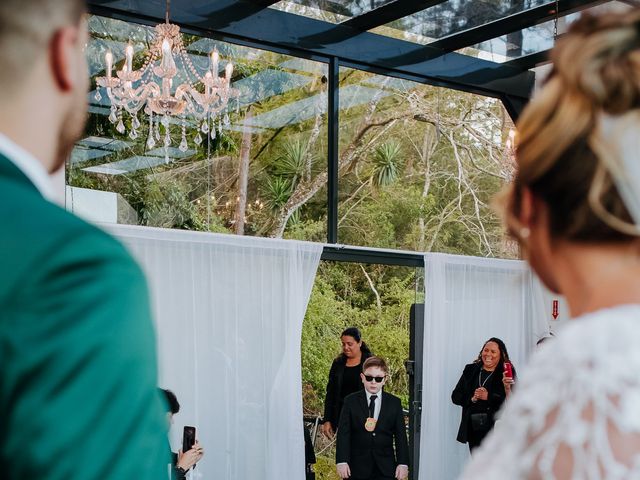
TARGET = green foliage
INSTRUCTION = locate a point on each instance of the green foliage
(276, 192)
(325, 468)
(332, 308)
(167, 206)
(386, 163)
(292, 162)
(309, 230)
(342, 298)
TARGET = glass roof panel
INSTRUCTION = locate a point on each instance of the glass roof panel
(334, 11)
(535, 39)
(452, 17)
(518, 44)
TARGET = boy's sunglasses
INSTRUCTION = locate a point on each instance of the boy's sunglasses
(371, 378)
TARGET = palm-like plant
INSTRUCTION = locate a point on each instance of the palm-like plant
(386, 163)
(277, 191)
(293, 161)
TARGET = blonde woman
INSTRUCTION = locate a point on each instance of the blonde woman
(572, 206)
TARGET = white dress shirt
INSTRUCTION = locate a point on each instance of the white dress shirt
(29, 165)
(378, 404)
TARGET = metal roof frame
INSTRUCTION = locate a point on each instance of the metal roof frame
(512, 23)
(247, 22)
(388, 13)
(252, 23)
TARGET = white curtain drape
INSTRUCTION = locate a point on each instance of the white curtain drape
(468, 300)
(229, 313)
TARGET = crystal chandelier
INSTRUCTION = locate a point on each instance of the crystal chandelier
(205, 98)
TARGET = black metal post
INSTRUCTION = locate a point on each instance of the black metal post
(333, 119)
(414, 369)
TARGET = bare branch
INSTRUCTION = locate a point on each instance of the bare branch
(373, 289)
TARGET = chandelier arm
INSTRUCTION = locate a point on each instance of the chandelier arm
(111, 96)
(193, 100)
(133, 110)
(193, 94)
(137, 97)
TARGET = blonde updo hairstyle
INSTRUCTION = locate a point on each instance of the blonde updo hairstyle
(596, 72)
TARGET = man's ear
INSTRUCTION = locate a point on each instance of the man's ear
(63, 48)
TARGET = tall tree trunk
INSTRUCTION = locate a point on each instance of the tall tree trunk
(243, 174)
(428, 146)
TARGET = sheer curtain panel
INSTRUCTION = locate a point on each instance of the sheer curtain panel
(468, 300)
(229, 314)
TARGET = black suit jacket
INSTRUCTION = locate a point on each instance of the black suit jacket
(361, 449)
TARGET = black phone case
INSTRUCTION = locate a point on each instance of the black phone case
(188, 438)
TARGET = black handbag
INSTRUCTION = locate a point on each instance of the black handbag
(480, 422)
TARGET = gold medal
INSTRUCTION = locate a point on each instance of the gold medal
(370, 424)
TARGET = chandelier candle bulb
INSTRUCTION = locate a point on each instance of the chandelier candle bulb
(207, 84)
(214, 63)
(109, 62)
(129, 55)
(228, 71)
(166, 55)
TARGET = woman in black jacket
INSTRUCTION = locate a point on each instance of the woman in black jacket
(344, 377)
(481, 391)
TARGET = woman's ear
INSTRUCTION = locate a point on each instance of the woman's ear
(527, 207)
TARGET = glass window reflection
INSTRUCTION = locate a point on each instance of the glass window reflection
(277, 133)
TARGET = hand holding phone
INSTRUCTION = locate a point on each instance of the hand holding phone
(508, 370)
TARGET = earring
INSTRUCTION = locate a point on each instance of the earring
(524, 232)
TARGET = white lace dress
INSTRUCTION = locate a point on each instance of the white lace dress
(575, 412)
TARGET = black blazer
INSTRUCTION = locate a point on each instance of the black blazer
(360, 449)
(463, 392)
(334, 399)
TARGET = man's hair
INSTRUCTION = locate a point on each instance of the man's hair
(172, 401)
(26, 26)
(375, 362)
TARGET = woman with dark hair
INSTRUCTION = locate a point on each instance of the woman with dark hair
(481, 391)
(344, 377)
(574, 206)
(181, 462)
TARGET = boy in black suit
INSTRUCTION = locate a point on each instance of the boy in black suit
(370, 422)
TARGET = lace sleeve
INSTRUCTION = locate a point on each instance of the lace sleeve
(591, 442)
(581, 421)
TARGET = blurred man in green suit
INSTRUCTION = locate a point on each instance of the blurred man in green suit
(78, 396)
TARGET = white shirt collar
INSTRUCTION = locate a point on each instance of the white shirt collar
(376, 414)
(29, 165)
(378, 395)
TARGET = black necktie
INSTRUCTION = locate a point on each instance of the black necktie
(372, 406)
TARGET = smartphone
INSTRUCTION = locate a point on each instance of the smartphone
(188, 438)
(508, 371)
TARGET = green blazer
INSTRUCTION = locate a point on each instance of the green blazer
(78, 381)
